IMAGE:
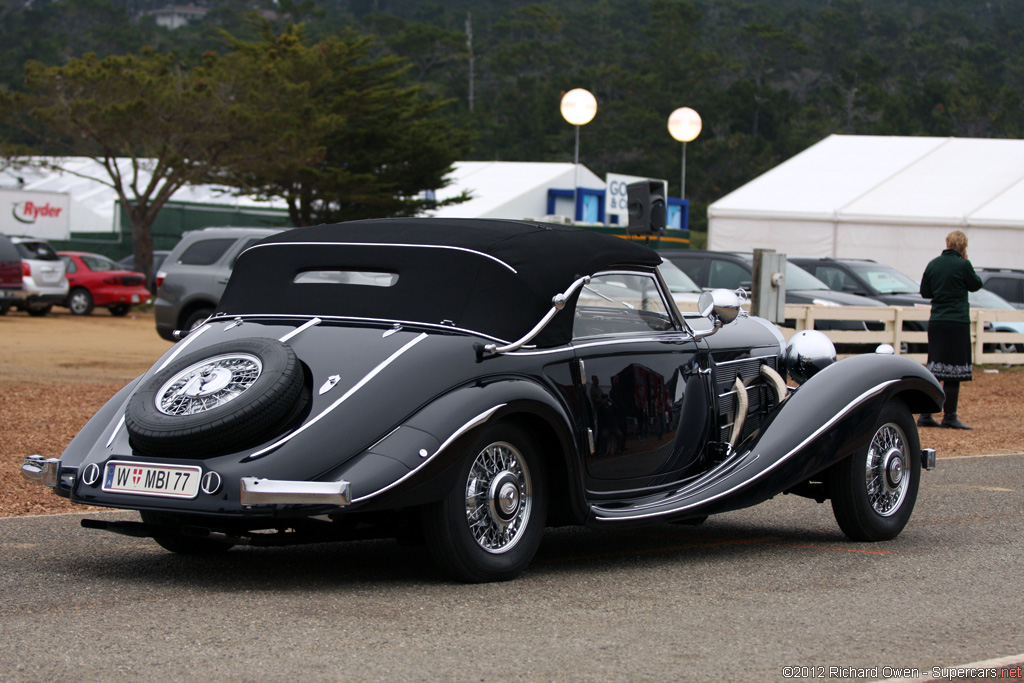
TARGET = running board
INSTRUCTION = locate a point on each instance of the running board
(679, 501)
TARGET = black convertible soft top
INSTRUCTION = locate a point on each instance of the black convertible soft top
(491, 276)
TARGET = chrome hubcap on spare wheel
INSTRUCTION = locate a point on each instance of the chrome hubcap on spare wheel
(498, 497)
(886, 474)
(208, 384)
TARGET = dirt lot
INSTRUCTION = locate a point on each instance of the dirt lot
(55, 372)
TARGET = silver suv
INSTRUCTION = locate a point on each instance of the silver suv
(192, 278)
(43, 275)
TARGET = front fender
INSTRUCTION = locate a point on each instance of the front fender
(416, 462)
(829, 417)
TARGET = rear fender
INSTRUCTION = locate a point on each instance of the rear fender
(99, 428)
(417, 460)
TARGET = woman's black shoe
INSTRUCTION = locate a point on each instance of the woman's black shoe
(954, 424)
(926, 420)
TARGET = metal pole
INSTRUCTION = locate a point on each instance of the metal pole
(682, 181)
(576, 178)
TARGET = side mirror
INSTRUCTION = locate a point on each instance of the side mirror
(720, 304)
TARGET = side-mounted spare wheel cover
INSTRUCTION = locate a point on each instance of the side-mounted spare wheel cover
(218, 399)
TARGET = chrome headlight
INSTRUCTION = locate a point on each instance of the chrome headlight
(807, 353)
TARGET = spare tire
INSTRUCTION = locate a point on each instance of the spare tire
(219, 399)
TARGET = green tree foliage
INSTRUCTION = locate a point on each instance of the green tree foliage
(768, 78)
(381, 145)
(175, 125)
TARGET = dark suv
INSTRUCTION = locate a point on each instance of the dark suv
(12, 291)
(1006, 282)
(193, 276)
(865, 277)
(730, 270)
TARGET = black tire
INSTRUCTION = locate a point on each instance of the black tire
(241, 402)
(119, 310)
(196, 318)
(874, 490)
(502, 472)
(38, 311)
(80, 301)
(4, 308)
(171, 538)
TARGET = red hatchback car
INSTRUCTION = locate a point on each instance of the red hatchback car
(95, 280)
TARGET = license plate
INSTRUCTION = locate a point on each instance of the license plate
(135, 298)
(146, 479)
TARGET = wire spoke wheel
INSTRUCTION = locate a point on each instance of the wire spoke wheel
(499, 497)
(218, 399)
(873, 491)
(208, 384)
(887, 470)
(489, 525)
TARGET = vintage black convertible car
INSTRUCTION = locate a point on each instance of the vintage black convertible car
(467, 383)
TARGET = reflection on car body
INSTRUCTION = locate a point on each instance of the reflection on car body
(479, 393)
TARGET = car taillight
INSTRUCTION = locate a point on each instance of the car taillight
(112, 280)
(26, 269)
(160, 275)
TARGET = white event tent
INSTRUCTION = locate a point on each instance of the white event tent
(512, 189)
(892, 199)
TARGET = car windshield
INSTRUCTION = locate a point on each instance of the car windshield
(986, 299)
(798, 278)
(886, 280)
(678, 282)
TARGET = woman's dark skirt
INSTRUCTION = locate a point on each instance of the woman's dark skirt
(949, 351)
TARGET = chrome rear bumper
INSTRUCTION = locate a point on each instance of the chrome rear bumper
(281, 492)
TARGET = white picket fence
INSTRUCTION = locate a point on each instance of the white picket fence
(807, 317)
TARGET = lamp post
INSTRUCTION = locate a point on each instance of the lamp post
(684, 125)
(578, 107)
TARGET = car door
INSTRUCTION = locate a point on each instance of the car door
(641, 386)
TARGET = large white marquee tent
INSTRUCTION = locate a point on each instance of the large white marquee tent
(892, 199)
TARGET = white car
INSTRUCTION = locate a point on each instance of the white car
(43, 275)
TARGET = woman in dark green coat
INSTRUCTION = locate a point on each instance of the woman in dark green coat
(946, 281)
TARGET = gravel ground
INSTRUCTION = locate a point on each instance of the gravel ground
(56, 371)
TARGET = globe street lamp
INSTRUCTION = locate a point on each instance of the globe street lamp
(684, 125)
(578, 108)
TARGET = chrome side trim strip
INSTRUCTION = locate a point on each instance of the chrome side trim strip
(472, 424)
(383, 244)
(299, 330)
(120, 423)
(182, 345)
(874, 391)
(447, 329)
(358, 385)
(281, 492)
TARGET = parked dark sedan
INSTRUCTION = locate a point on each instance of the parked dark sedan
(455, 381)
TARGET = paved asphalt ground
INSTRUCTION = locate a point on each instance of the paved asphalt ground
(739, 598)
